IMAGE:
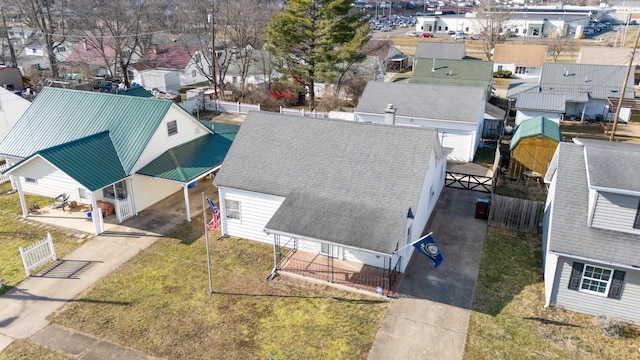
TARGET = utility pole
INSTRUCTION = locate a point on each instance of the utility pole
(624, 86)
(213, 49)
(12, 51)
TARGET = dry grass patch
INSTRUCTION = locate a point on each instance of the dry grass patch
(158, 303)
(15, 232)
(508, 320)
(23, 349)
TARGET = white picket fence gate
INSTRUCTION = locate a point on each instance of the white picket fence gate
(38, 254)
(124, 209)
(4, 178)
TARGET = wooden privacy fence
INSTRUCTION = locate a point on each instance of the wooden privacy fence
(515, 214)
(38, 254)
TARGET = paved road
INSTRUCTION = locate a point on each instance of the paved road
(429, 318)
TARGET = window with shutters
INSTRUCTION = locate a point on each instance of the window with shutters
(596, 280)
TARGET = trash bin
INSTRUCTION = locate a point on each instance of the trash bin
(482, 208)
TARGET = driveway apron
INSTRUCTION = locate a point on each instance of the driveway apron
(429, 317)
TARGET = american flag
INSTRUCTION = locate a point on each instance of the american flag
(214, 224)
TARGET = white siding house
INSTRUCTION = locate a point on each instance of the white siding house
(347, 190)
(129, 151)
(459, 127)
(591, 230)
(12, 106)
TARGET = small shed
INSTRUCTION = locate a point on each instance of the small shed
(532, 146)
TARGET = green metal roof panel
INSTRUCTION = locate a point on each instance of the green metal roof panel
(535, 126)
(91, 161)
(185, 162)
(453, 72)
(58, 116)
(138, 91)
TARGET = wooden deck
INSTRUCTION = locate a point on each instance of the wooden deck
(342, 272)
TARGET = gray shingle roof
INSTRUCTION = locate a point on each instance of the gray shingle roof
(422, 101)
(344, 182)
(599, 81)
(440, 50)
(613, 165)
(569, 233)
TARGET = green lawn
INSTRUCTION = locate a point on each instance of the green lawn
(15, 232)
(158, 303)
(508, 320)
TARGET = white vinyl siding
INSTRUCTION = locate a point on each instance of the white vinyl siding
(50, 181)
(189, 129)
(365, 257)
(626, 308)
(616, 212)
(257, 209)
(149, 190)
(459, 135)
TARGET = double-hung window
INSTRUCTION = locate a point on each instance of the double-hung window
(172, 127)
(232, 209)
(596, 280)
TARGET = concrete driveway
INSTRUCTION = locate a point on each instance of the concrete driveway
(429, 318)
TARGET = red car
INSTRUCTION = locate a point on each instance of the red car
(427, 35)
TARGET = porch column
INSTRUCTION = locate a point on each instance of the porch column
(23, 203)
(185, 189)
(96, 216)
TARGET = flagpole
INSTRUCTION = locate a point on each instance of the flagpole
(206, 240)
(415, 242)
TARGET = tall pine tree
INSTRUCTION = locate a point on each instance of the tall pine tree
(310, 38)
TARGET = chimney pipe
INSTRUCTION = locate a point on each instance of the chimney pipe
(390, 115)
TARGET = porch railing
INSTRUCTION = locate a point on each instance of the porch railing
(4, 178)
(337, 275)
(393, 275)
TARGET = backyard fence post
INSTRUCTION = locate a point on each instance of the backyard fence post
(280, 109)
(24, 262)
(53, 251)
(258, 107)
(238, 107)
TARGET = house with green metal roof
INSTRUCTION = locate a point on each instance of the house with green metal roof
(453, 72)
(129, 151)
(533, 144)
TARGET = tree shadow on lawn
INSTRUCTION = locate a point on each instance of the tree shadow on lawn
(337, 298)
(511, 261)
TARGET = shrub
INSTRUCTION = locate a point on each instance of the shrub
(502, 74)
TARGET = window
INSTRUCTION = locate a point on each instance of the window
(197, 58)
(83, 194)
(30, 180)
(520, 69)
(120, 188)
(596, 280)
(193, 73)
(172, 127)
(636, 224)
(232, 209)
(439, 28)
(409, 234)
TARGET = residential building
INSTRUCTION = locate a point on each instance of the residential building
(591, 229)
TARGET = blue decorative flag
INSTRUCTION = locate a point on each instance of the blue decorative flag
(427, 246)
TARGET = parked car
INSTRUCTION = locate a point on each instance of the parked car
(457, 36)
(427, 35)
(411, 33)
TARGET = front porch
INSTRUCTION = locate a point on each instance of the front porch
(342, 272)
(170, 210)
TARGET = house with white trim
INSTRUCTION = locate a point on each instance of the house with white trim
(126, 150)
(12, 106)
(591, 229)
(350, 191)
(457, 112)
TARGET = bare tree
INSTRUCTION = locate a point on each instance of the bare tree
(5, 35)
(120, 30)
(557, 46)
(492, 19)
(49, 20)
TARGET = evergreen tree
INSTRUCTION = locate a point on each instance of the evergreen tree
(310, 38)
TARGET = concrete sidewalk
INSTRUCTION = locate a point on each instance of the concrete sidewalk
(24, 309)
(429, 318)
